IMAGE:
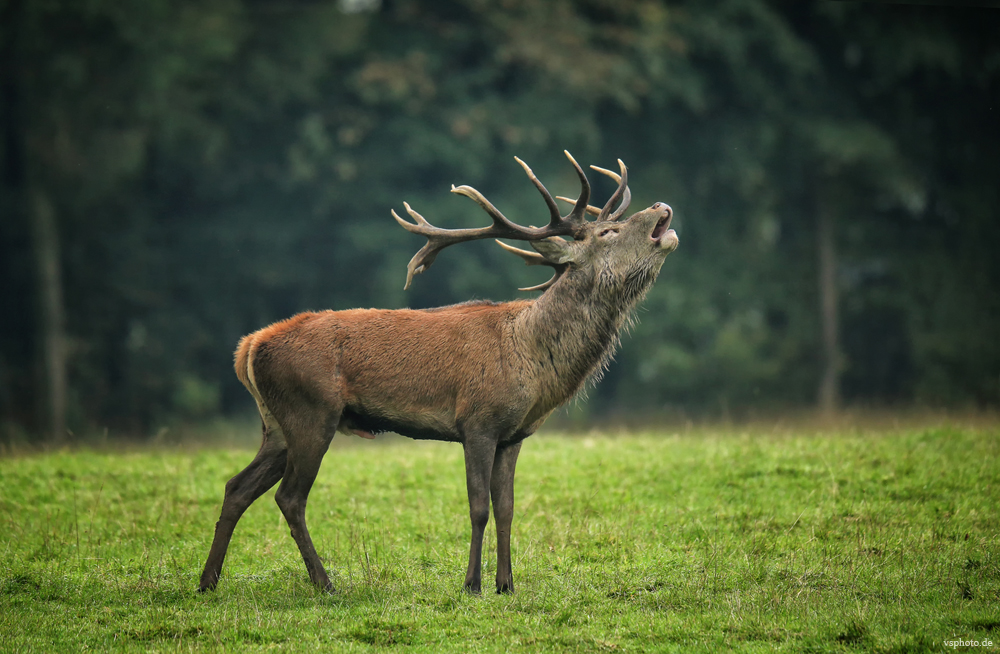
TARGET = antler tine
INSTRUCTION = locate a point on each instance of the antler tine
(622, 193)
(577, 215)
(623, 207)
(499, 219)
(530, 258)
(437, 240)
(591, 209)
(535, 259)
(626, 195)
(543, 286)
(554, 217)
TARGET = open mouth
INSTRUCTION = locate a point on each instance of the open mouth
(662, 227)
(663, 237)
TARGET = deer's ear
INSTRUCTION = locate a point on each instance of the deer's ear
(555, 249)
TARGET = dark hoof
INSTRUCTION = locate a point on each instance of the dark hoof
(208, 581)
(473, 590)
(323, 585)
(505, 590)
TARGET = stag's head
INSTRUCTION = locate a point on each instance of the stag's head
(617, 253)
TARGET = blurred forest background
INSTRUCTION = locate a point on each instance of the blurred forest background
(177, 173)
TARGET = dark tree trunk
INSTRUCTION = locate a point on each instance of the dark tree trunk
(39, 213)
(829, 385)
(52, 320)
(13, 173)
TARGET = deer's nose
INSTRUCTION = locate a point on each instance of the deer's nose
(665, 207)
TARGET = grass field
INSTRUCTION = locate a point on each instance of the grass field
(854, 540)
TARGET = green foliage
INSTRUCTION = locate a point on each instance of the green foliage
(219, 165)
(873, 540)
(194, 398)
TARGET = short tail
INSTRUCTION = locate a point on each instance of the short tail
(241, 361)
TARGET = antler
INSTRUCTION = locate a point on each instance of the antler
(535, 259)
(439, 238)
(569, 225)
(623, 193)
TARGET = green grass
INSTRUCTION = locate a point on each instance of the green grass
(885, 540)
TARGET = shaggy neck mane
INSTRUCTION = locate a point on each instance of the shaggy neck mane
(574, 328)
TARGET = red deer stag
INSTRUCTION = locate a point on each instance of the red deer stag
(482, 374)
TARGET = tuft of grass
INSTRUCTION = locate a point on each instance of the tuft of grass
(841, 541)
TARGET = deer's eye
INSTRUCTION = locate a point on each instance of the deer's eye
(611, 232)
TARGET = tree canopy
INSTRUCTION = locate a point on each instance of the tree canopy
(191, 171)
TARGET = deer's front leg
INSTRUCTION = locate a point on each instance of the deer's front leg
(502, 494)
(479, 454)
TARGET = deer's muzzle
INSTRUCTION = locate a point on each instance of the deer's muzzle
(664, 237)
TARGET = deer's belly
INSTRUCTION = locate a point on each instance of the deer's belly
(368, 424)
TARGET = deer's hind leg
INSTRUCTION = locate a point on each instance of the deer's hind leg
(309, 433)
(256, 479)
